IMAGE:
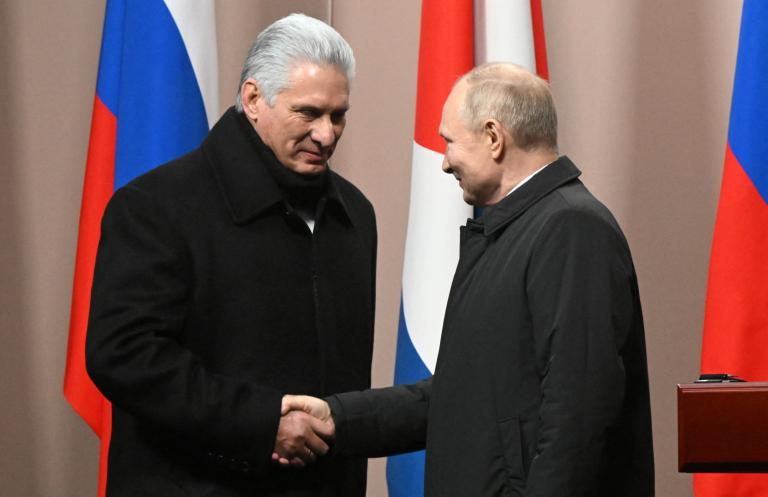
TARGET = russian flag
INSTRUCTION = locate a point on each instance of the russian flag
(156, 97)
(455, 35)
(736, 314)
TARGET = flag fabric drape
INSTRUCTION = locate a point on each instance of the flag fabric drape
(455, 36)
(156, 96)
(736, 316)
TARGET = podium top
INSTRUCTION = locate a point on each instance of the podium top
(722, 427)
(740, 386)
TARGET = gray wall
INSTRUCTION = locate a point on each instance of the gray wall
(643, 90)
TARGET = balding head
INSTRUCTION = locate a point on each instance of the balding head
(518, 99)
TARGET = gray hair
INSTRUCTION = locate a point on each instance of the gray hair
(294, 38)
(518, 99)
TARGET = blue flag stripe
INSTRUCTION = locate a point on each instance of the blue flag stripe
(159, 107)
(405, 473)
(748, 129)
(108, 81)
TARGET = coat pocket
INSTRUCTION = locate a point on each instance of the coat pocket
(512, 447)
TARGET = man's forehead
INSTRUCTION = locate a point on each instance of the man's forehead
(455, 97)
(303, 69)
(451, 105)
(309, 82)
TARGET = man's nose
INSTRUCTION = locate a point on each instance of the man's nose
(323, 131)
(445, 166)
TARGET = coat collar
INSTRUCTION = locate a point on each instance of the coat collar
(236, 155)
(511, 207)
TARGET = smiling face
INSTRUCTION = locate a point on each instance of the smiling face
(468, 154)
(306, 120)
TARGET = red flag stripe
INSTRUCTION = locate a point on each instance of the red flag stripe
(737, 277)
(446, 51)
(539, 40)
(79, 390)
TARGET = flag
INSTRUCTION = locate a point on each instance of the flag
(156, 96)
(455, 35)
(736, 313)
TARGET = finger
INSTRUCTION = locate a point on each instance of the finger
(293, 462)
(285, 405)
(296, 403)
(311, 456)
(316, 444)
(322, 428)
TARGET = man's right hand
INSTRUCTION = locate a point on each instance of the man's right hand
(301, 438)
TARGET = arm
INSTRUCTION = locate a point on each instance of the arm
(372, 423)
(135, 353)
(383, 421)
(582, 303)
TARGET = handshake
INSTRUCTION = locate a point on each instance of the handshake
(305, 430)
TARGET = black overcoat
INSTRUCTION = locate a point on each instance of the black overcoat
(541, 385)
(212, 299)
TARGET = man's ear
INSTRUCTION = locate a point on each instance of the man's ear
(495, 138)
(249, 98)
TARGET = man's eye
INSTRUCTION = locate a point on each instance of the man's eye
(338, 116)
(309, 113)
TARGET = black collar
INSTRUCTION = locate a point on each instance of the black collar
(516, 203)
(236, 159)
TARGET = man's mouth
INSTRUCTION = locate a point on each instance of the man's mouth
(315, 159)
(319, 157)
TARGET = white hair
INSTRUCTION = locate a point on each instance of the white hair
(287, 41)
(517, 98)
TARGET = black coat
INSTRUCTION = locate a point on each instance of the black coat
(212, 299)
(540, 387)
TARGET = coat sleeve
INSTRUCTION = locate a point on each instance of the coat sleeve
(382, 421)
(582, 298)
(135, 354)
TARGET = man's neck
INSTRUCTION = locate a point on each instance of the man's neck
(523, 164)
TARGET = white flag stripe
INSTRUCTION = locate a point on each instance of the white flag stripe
(504, 32)
(195, 20)
(431, 250)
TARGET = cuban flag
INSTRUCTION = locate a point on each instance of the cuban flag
(736, 313)
(455, 36)
(156, 97)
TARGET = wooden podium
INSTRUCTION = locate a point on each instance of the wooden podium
(722, 427)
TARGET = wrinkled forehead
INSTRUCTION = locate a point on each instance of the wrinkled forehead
(300, 69)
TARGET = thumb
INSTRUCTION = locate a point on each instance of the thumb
(293, 403)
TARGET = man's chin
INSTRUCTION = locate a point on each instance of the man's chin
(310, 168)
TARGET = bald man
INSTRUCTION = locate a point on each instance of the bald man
(541, 384)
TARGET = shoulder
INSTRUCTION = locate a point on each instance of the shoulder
(349, 192)
(354, 199)
(575, 202)
(175, 183)
(177, 175)
(571, 211)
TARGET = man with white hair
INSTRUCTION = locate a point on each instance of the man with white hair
(541, 384)
(234, 275)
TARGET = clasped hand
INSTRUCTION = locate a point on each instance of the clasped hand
(306, 427)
